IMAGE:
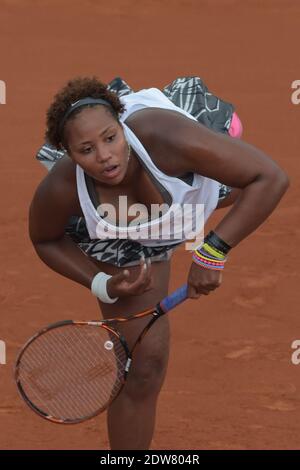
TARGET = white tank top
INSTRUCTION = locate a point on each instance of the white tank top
(185, 198)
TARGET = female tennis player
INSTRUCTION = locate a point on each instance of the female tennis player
(154, 147)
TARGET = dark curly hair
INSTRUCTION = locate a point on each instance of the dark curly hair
(74, 90)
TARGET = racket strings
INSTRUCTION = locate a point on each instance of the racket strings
(72, 372)
(46, 387)
(67, 379)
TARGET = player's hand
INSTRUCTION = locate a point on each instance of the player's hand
(120, 286)
(202, 281)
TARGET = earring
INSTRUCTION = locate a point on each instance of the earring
(129, 150)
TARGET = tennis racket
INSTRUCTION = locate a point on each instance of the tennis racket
(71, 371)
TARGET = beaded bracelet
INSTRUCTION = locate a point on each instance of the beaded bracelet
(212, 254)
(206, 260)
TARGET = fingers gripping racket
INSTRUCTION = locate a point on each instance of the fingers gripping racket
(72, 370)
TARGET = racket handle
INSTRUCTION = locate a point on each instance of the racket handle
(174, 299)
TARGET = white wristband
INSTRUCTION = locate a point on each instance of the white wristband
(99, 289)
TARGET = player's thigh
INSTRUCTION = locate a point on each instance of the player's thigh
(154, 349)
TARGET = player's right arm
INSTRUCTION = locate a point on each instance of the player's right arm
(54, 202)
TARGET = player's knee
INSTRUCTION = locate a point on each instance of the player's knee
(145, 379)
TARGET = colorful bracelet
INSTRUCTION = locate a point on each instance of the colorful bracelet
(211, 255)
(216, 243)
(204, 259)
(212, 251)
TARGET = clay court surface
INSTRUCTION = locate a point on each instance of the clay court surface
(230, 383)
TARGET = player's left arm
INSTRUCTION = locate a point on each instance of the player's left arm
(194, 148)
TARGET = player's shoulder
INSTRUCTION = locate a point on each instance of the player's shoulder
(60, 185)
(165, 134)
(62, 175)
(64, 171)
(156, 120)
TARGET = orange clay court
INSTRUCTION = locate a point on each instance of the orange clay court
(231, 383)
